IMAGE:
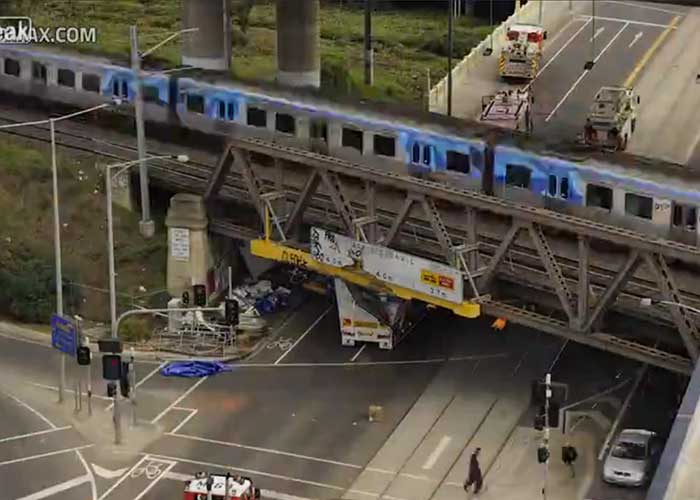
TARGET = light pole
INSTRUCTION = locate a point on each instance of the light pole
(146, 225)
(449, 57)
(56, 215)
(369, 52)
(589, 64)
(110, 230)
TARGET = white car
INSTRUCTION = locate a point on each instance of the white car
(631, 458)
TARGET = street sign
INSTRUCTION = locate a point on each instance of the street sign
(63, 335)
(180, 244)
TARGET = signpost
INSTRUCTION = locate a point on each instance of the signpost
(63, 335)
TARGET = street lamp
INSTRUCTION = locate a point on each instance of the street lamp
(647, 302)
(589, 64)
(110, 230)
(146, 225)
(56, 214)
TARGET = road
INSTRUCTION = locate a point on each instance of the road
(293, 417)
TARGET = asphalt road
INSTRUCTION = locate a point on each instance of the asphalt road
(293, 417)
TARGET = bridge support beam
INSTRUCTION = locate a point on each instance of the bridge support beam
(298, 43)
(210, 47)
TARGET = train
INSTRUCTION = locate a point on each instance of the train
(650, 196)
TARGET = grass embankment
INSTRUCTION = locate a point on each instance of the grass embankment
(408, 44)
(27, 286)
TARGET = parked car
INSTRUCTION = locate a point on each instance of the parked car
(632, 458)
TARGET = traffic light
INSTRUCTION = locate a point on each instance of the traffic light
(542, 454)
(539, 420)
(559, 392)
(111, 390)
(124, 385)
(200, 295)
(231, 311)
(111, 366)
(185, 298)
(83, 355)
(553, 415)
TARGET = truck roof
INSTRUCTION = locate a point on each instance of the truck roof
(608, 102)
(526, 28)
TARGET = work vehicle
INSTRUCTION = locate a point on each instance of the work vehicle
(521, 54)
(632, 458)
(612, 118)
(220, 487)
(511, 109)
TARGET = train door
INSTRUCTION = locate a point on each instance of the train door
(225, 109)
(120, 87)
(423, 154)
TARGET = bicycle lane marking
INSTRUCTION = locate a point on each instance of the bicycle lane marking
(139, 480)
(301, 337)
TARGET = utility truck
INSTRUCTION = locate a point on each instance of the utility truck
(521, 54)
(612, 118)
(511, 109)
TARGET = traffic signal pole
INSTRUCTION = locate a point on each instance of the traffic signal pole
(548, 395)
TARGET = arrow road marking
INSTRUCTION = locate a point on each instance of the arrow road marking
(108, 474)
(636, 39)
(597, 32)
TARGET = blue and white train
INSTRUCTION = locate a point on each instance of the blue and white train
(654, 197)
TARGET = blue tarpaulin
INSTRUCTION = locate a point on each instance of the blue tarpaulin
(194, 368)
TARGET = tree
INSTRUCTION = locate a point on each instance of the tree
(241, 12)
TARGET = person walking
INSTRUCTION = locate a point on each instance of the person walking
(569, 456)
(474, 476)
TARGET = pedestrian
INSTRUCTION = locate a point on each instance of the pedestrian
(474, 476)
(569, 456)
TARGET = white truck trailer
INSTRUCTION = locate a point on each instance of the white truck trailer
(511, 109)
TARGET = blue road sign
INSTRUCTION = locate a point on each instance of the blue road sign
(63, 335)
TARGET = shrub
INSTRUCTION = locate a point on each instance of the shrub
(135, 329)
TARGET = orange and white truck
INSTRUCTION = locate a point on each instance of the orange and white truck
(521, 54)
(205, 486)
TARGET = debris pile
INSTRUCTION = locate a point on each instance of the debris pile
(263, 296)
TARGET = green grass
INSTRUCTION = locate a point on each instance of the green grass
(408, 44)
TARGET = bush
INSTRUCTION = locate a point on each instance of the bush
(28, 293)
(135, 330)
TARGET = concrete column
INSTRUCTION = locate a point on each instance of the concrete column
(188, 244)
(298, 43)
(210, 47)
(121, 191)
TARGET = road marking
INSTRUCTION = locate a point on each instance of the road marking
(372, 363)
(37, 433)
(44, 455)
(179, 400)
(357, 354)
(561, 49)
(124, 477)
(91, 476)
(629, 21)
(144, 379)
(57, 488)
(650, 52)
(264, 450)
(303, 335)
(108, 474)
(155, 481)
(55, 389)
(636, 39)
(35, 412)
(439, 449)
(585, 72)
(193, 412)
(640, 6)
(597, 32)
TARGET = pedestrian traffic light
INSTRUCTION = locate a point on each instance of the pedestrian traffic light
(200, 295)
(83, 355)
(231, 311)
(124, 385)
(111, 366)
(185, 298)
(539, 420)
(542, 454)
(111, 390)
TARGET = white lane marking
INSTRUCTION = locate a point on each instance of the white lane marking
(551, 60)
(303, 335)
(57, 488)
(44, 455)
(140, 382)
(636, 39)
(55, 389)
(176, 476)
(439, 449)
(628, 21)
(155, 481)
(585, 72)
(180, 399)
(357, 354)
(37, 433)
(108, 474)
(124, 477)
(193, 412)
(597, 32)
(91, 476)
(35, 412)
(264, 450)
(641, 6)
(458, 485)
(371, 363)
(250, 471)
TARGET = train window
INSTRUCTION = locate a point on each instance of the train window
(257, 117)
(285, 123)
(352, 138)
(459, 162)
(684, 216)
(599, 196)
(12, 67)
(152, 94)
(195, 103)
(518, 176)
(119, 88)
(639, 206)
(66, 77)
(552, 185)
(426, 155)
(564, 187)
(319, 130)
(384, 145)
(415, 153)
(38, 71)
(91, 82)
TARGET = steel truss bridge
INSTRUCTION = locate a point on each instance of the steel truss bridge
(485, 237)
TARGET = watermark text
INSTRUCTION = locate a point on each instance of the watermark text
(21, 30)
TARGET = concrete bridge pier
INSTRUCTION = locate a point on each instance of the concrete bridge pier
(189, 256)
(210, 47)
(298, 43)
